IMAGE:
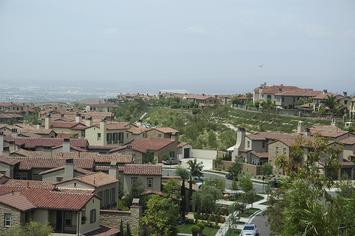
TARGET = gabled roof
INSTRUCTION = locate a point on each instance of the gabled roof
(79, 170)
(48, 142)
(328, 131)
(348, 141)
(49, 163)
(19, 183)
(30, 198)
(145, 144)
(96, 180)
(167, 130)
(142, 169)
(9, 161)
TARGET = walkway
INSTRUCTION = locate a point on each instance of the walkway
(258, 205)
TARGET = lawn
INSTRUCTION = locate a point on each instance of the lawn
(248, 212)
(238, 198)
(186, 228)
(232, 232)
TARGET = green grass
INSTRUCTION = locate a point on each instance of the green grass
(233, 232)
(248, 212)
(186, 228)
(238, 198)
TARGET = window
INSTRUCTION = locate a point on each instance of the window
(277, 150)
(99, 136)
(133, 180)
(83, 216)
(93, 216)
(68, 219)
(172, 154)
(263, 144)
(59, 179)
(284, 151)
(160, 135)
(7, 219)
(248, 144)
(150, 182)
(109, 138)
(113, 194)
(120, 137)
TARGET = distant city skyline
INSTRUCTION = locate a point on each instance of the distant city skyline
(217, 47)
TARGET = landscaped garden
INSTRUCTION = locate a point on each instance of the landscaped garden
(187, 229)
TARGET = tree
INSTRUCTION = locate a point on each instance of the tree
(161, 216)
(212, 139)
(172, 190)
(121, 229)
(32, 229)
(128, 230)
(184, 175)
(204, 200)
(267, 169)
(195, 171)
(302, 205)
(236, 169)
(245, 183)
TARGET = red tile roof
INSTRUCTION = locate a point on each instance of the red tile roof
(29, 198)
(348, 141)
(142, 169)
(328, 131)
(49, 163)
(19, 183)
(48, 142)
(17, 201)
(167, 130)
(146, 144)
(9, 161)
(97, 179)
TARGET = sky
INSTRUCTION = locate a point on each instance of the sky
(212, 46)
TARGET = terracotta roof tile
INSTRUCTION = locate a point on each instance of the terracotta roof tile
(97, 179)
(167, 130)
(142, 169)
(17, 201)
(48, 142)
(146, 144)
(328, 131)
(19, 183)
(348, 141)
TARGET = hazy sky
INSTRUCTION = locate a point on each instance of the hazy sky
(196, 45)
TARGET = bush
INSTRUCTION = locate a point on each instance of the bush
(195, 230)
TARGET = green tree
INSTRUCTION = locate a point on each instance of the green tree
(245, 183)
(195, 169)
(161, 216)
(212, 139)
(172, 190)
(184, 175)
(121, 229)
(32, 229)
(267, 169)
(204, 200)
(302, 205)
(236, 169)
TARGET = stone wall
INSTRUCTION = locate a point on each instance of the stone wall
(112, 218)
(16, 219)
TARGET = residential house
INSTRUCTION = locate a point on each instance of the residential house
(108, 133)
(162, 132)
(68, 213)
(51, 144)
(103, 185)
(148, 176)
(146, 150)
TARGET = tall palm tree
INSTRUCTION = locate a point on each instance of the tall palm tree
(184, 175)
(195, 171)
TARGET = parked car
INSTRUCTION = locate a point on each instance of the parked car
(249, 230)
(171, 161)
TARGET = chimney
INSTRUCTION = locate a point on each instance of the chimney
(240, 142)
(307, 132)
(12, 146)
(47, 121)
(333, 122)
(77, 118)
(69, 169)
(113, 171)
(14, 132)
(88, 121)
(66, 145)
(300, 127)
(1, 142)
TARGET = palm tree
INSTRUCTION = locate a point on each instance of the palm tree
(184, 175)
(195, 171)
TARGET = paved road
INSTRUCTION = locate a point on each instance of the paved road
(258, 187)
(262, 225)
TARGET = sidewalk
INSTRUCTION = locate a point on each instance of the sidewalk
(258, 205)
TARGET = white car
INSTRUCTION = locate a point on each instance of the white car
(249, 230)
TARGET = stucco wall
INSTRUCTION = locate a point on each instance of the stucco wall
(94, 203)
(127, 182)
(16, 219)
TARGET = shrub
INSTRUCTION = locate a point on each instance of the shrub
(195, 230)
